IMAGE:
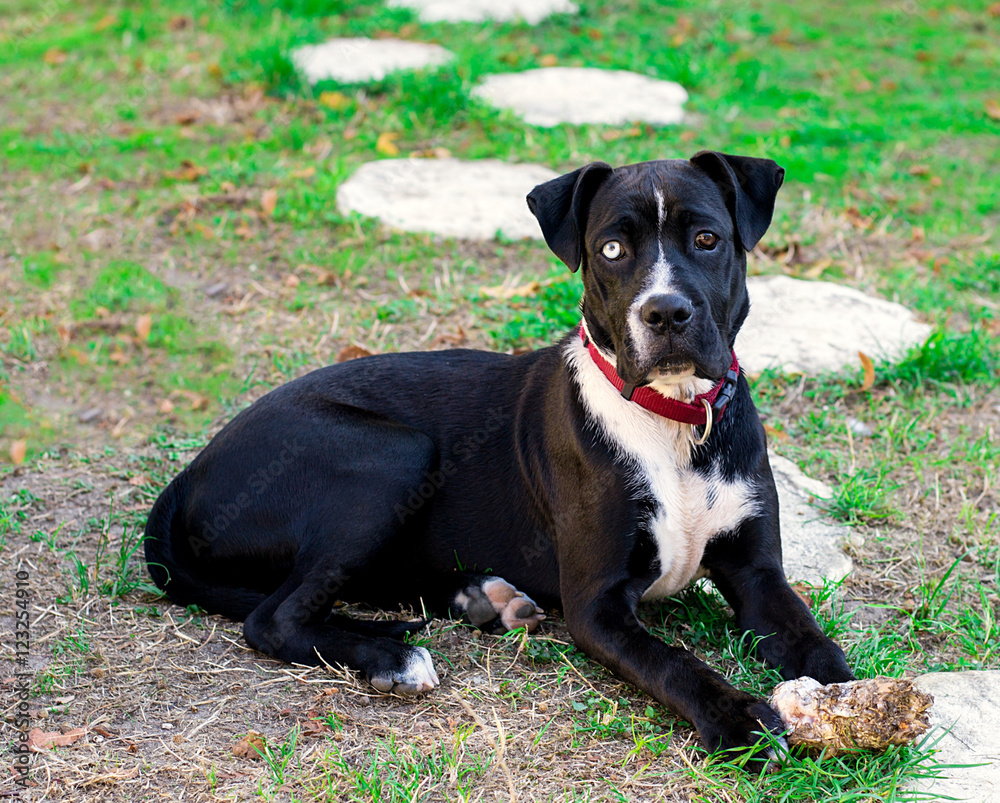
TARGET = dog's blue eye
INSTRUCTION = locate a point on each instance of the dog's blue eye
(612, 249)
(705, 240)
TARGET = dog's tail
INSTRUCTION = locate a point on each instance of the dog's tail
(169, 558)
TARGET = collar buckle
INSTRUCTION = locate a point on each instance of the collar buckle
(727, 391)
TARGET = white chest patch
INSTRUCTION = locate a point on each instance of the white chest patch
(690, 507)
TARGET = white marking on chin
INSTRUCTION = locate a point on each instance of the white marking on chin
(657, 453)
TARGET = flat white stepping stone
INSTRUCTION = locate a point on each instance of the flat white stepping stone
(808, 327)
(353, 61)
(553, 95)
(469, 199)
(811, 545)
(969, 704)
(531, 11)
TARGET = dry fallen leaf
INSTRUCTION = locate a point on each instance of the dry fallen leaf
(352, 353)
(803, 589)
(502, 291)
(165, 406)
(268, 200)
(307, 172)
(455, 338)
(333, 100)
(79, 356)
(431, 153)
(38, 740)
(386, 145)
(249, 746)
(179, 23)
(782, 38)
(105, 22)
(313, 726)
(869, 368)
(139, 479)
(993, 109)
(776, 434)
(549, 60)
(18, 450)
(817, 269)
(54, 56)
(188, 171)
(143, 326)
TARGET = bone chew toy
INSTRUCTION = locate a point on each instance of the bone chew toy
(858, 715)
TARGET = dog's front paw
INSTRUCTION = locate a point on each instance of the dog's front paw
(739, 723)
(416, 676)
(826, 663)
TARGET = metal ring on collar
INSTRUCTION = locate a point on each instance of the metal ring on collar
(700, 439)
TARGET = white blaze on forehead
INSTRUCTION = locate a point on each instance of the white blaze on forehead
(661, 212)
(657, 283)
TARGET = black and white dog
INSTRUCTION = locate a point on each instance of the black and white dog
(607, 470)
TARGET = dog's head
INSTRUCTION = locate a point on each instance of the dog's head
(663, 247)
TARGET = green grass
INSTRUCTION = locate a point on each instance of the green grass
(120, 287)
(393, 771)
(947, 358)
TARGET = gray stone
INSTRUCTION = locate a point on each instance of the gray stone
(216, 289)
(808, 327)
(859, 427)
(90, 414)
(553, 95)
(531, 11)
(454, 198)
(357, 60)
(812, 547)
(967, 703)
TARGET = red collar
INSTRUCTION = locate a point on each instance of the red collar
(695, 414)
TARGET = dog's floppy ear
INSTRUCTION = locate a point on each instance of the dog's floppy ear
(561, 206)
(749, 186)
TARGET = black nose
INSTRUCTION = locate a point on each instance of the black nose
(671, 312)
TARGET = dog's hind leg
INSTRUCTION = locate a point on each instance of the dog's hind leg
(293, 625)
(345, 488)
(494, 605)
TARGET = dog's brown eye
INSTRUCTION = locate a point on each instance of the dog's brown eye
(705, 240)
(612, 250)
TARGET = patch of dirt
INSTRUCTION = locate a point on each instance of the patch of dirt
(165, 696)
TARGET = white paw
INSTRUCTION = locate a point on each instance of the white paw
(418, 676)
(778, 754)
